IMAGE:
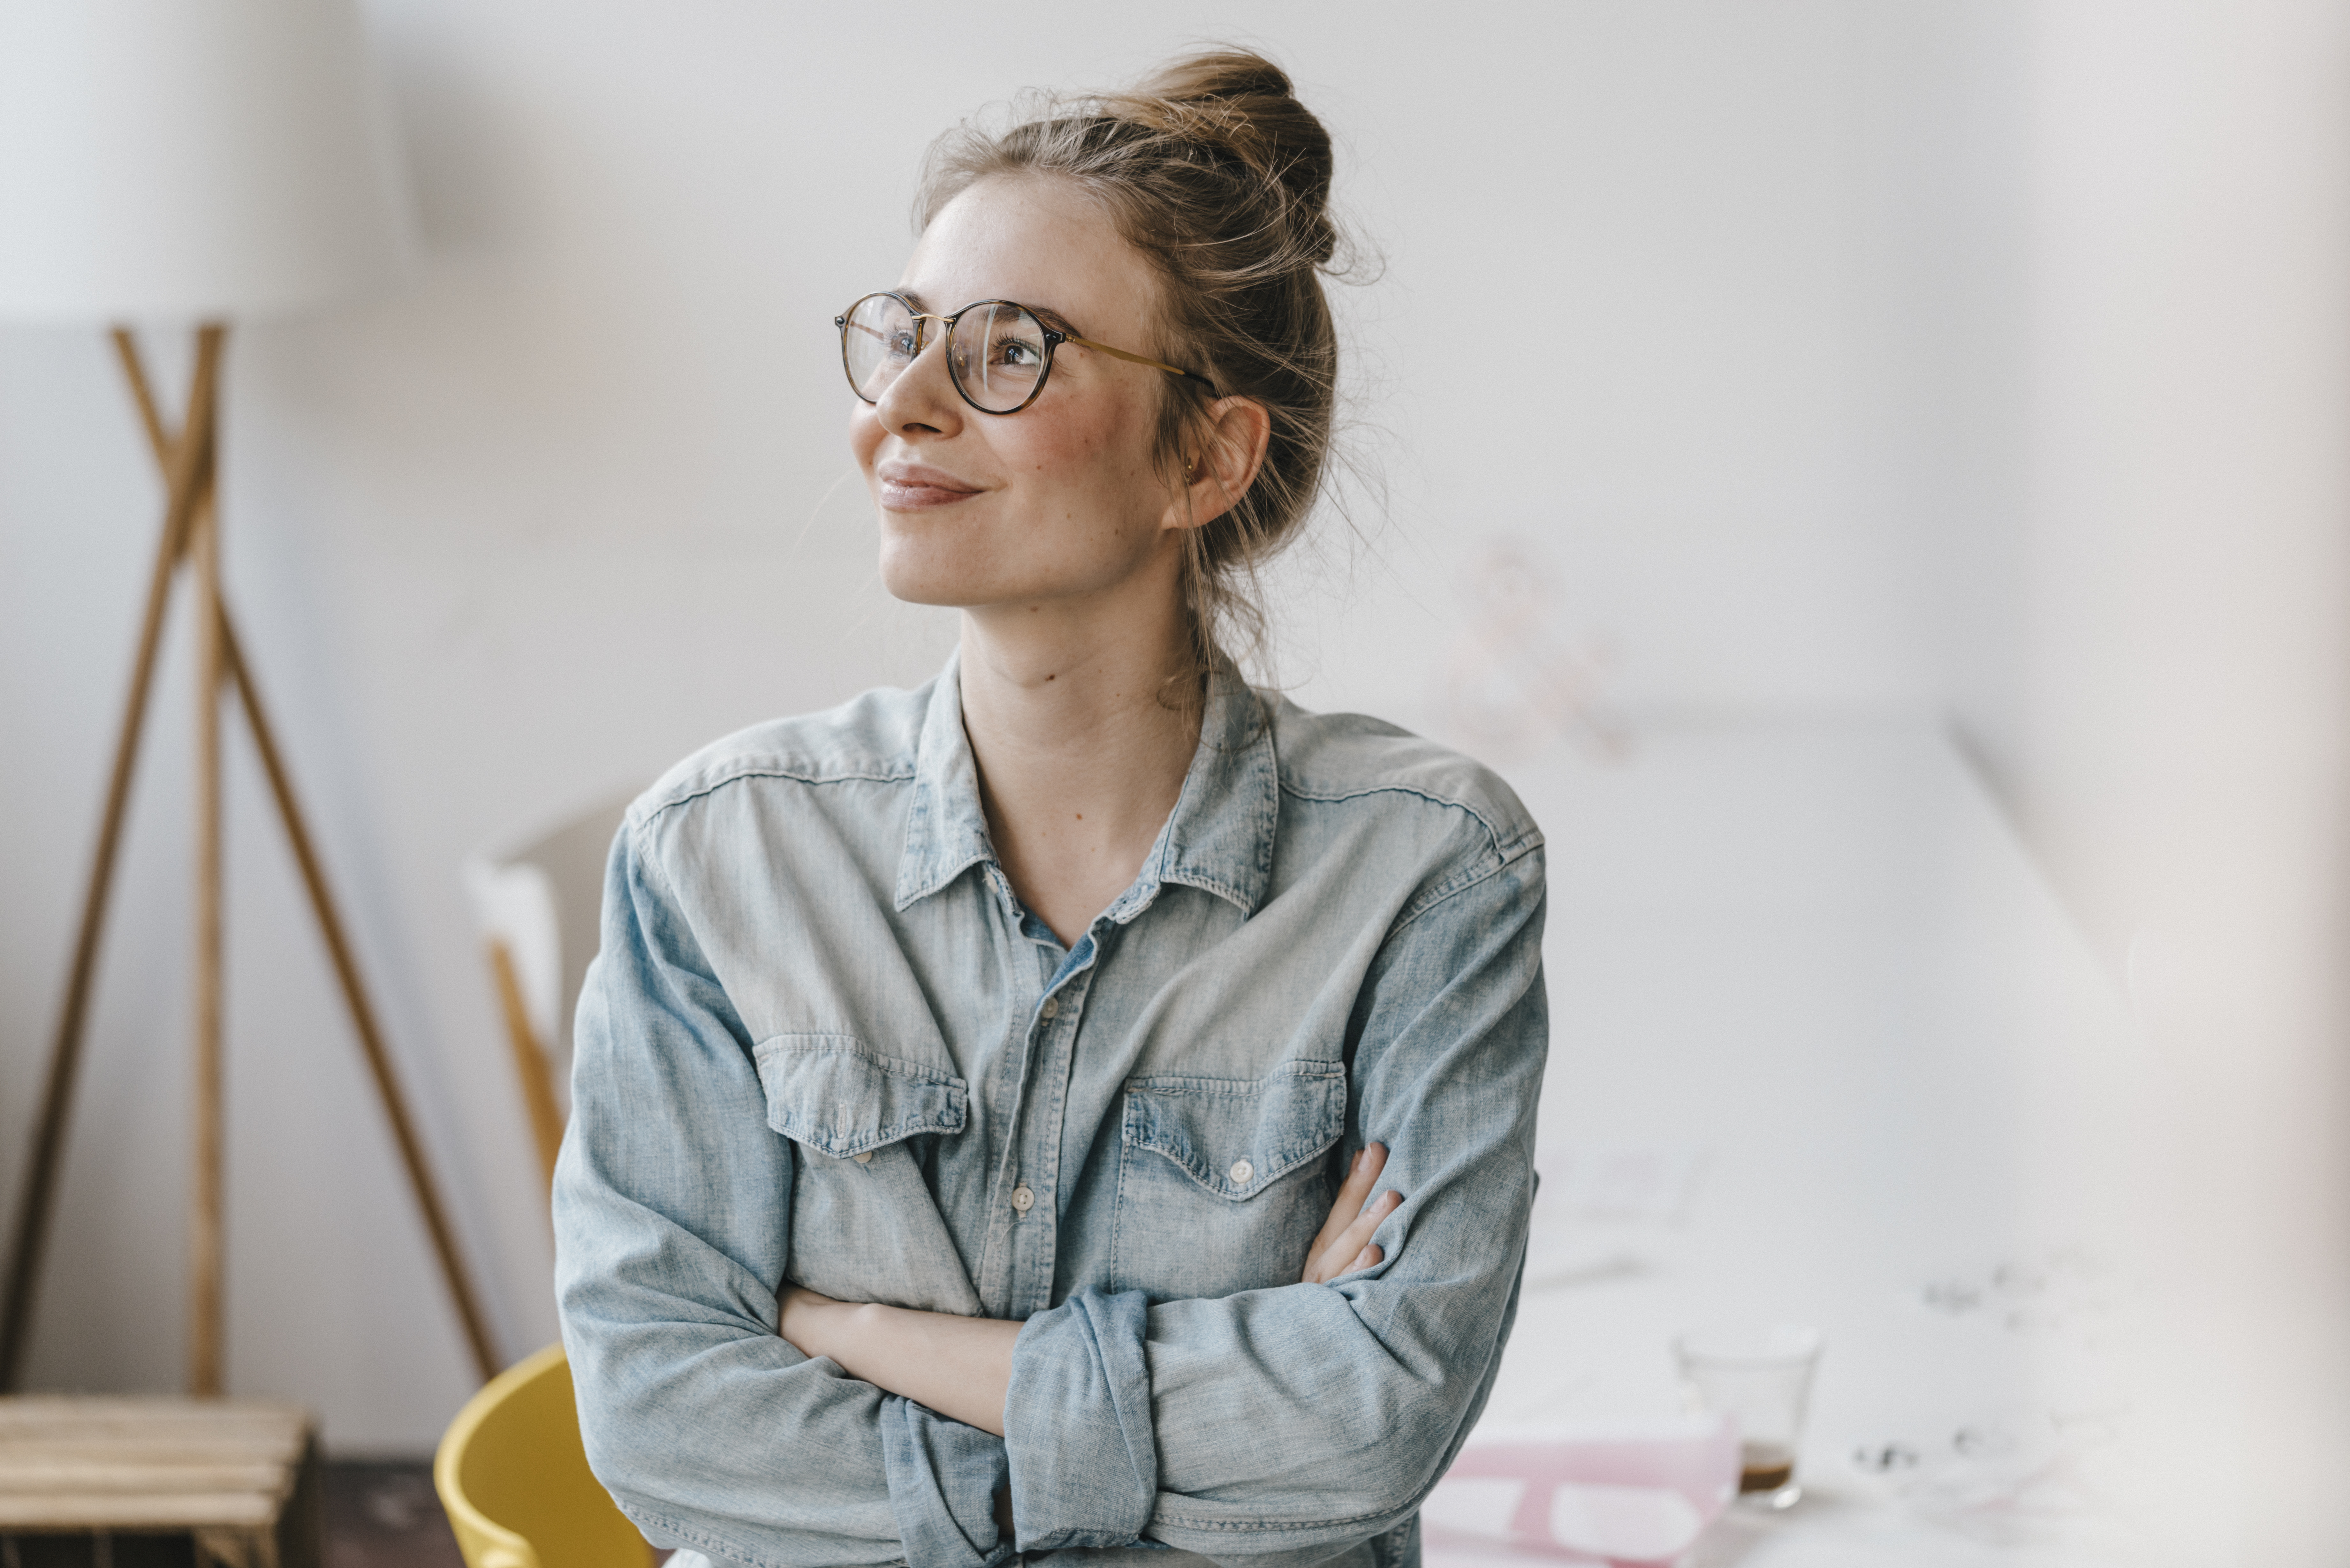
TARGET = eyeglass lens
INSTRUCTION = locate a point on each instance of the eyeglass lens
(994, 352)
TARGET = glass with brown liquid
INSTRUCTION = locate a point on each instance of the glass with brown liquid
(1760, 1375)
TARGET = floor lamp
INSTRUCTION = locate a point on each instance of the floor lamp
(193, 161)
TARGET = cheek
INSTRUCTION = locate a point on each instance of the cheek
(1094, 458)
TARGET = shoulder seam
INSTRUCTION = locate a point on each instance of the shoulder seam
(1504, 851)
(685, 793)
(1468, 877)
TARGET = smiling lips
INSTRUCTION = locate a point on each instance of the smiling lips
(910, 486)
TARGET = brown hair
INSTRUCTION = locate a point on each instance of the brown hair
(1216, 174)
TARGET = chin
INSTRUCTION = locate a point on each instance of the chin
(918, 591)
(964, 566)
(917, 571)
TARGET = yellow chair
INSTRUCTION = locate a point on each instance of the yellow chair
(514, 1476)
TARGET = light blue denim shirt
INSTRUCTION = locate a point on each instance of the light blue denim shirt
(825, 1042)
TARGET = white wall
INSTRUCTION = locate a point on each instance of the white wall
(1768, 284)
(2180, 745)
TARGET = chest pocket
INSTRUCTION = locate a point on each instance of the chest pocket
(1222, 1182)
(864, 1225)
(827, 1092)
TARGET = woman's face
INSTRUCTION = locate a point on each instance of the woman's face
(1060, 501)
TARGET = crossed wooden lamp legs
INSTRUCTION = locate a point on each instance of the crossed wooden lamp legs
(191, 538)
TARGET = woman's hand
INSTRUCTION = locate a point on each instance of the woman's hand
(1344, 1244)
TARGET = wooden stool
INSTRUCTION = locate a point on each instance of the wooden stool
(232, 1483)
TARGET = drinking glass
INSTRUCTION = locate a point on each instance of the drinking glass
(1761, 1374)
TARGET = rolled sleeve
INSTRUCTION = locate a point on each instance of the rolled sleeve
(1083, 1450)
(944, 1479)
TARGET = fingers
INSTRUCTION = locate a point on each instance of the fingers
(1353, 1242)
(1357, 1236)
(1343, 1244)
(1369, 1160)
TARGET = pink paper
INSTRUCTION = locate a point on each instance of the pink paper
(1634, 1497)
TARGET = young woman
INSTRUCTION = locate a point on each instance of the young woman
(981, 1091)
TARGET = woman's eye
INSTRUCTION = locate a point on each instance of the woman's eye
(901, 344)
(1017, 355)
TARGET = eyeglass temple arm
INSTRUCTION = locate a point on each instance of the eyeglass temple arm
(1142, 359)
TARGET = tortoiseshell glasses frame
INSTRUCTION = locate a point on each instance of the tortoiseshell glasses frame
(883, 332)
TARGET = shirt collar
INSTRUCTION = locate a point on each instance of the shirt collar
(1218, 838)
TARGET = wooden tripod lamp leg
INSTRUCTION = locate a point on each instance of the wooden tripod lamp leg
(346, 970)
(239, 673)
(187, 468)
(191, 529)
(206, 1286)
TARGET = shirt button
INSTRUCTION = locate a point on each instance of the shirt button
(864, 1158)
(1052, 1008)
(1241, 1172)
(1022, 1198)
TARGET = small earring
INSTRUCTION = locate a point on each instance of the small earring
(1188, 463)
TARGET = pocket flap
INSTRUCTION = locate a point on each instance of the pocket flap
(830, 1093)
(1237, 1136)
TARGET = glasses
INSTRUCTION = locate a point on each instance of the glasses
(998, 353)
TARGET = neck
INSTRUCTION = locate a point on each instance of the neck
(1082, 739)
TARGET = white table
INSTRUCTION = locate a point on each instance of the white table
(1808, 968)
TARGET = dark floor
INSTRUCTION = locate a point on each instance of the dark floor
(381, 1513)
(384, 1514)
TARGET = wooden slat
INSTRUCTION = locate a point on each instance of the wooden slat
(133, 1428)
(130, 1463)
(49, 1412)
(63, 1476)
(186, 1433)
(14, 1406)
(144, 1456)
(81, 1511)
(150, 1435)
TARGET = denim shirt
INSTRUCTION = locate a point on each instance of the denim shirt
(825, 1042)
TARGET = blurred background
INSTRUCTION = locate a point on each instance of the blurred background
(1972, 360)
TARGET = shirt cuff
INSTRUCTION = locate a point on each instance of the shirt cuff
(1077, 1425)
(943, 1477)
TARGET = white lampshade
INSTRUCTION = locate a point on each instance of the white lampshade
(179, 159)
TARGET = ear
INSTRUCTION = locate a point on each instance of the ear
(1229, 449)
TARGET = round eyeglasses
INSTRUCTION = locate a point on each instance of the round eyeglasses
(998, 353)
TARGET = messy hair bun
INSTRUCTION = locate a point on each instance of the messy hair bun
(1242, 107)
(1213, 170)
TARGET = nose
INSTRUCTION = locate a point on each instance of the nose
(922, 400)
